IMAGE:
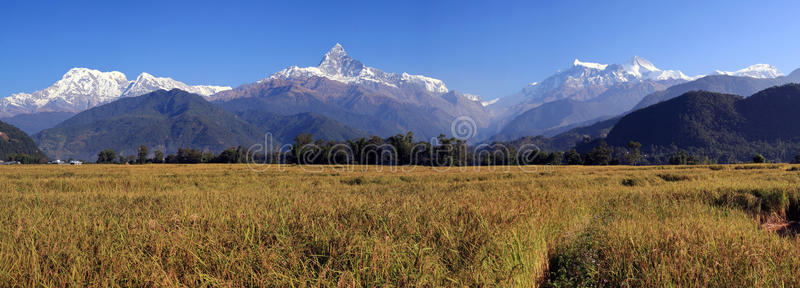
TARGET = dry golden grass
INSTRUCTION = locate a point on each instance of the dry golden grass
(223, 225)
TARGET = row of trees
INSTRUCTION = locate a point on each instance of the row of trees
(183, 156)
(26, 158)
(405, 150)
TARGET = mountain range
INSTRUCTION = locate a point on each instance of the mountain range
(585, 81)
(365, 98)
(338, 66)
(81, 88)
(341, 98)
(168, 120)
(754, 71)
(737, 85)
(558, 116)
(591, 92)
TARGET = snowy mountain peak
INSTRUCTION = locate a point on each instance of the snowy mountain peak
(338, 66)
(337, 51)
(146, 83)
(584, 79)
(637, 65)
(644, 69)
(337, 62)
(82, 75)
(145, 75)
(82, 88)
(591, 65)
(754, 71)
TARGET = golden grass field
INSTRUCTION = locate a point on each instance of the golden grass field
(224, 225)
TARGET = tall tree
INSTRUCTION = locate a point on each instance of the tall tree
(574, 158)
(158, 157)
(635, 154)
(600, 155)
(107, 156)
(142, 155)
(303, 144)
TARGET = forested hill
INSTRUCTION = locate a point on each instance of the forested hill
(719, 124)
(163, 120)
(14, 142)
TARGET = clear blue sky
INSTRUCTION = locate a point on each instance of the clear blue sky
(491, 48)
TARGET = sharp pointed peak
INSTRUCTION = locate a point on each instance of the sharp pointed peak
(640, 60)
(637, 63)
(335, 54)
(336, 50)
(336, 61)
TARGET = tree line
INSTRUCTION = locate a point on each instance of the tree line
(404, 149)
(183, 156)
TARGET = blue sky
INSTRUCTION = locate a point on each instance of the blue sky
(490, 48)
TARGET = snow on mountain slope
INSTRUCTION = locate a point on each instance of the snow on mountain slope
(643, 69)
(338, 66)
(81, 88)
(597, 66)
(584, 80)
(147, 83)
(473, 97)
(754, 71)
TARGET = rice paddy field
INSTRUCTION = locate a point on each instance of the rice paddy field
(326, 226)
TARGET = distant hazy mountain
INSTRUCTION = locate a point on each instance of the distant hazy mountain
(558, 116)
(722, 124)
(737, 85)
(285, 128)
(566, 140)
(14, 141)
(80, 89)
(35, 122)
(358, 96)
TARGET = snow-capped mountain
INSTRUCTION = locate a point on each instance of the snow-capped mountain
(146, 83)
(585, 80)
(643, 69)
(754, 71)
(81, 88)
(338, 66)
(362, 97)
